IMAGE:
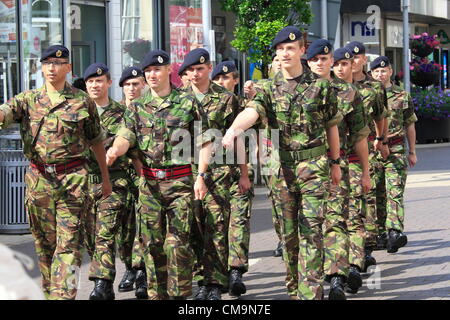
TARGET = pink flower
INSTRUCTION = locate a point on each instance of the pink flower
(425, 34)
(411, 68)
(417, 37)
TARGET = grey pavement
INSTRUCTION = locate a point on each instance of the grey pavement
(421, 270)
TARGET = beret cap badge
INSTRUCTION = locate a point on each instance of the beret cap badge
(326, 50)
(99, 71)
(225, 69)
(347, 55)
(58, 53)
(202, 59)
(292, 36)
(356, 49)
(383, 63)
(160, 59)
(134, 73)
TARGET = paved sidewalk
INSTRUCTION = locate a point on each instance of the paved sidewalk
(421, 270)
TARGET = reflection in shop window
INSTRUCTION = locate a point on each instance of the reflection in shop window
(41, 28)
(137, 30)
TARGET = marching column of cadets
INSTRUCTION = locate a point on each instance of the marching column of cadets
(336, 178)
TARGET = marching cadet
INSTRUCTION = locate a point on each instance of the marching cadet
(353, 132)
(58, 123)
(220, 108)
(107, 213)
(185, 80)
(129, 247)
(227, 75)
(362, 213)
(153, 125)
(304, 108)
(391, 186)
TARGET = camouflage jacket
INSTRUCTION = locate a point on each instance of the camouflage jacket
(401, 111)
(219, 108)
(375, 100)
(354, 126)
(110, 118)
(152, 128)
(54, 132)
(302, 115)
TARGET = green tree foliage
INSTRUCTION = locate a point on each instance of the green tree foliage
(258, 22)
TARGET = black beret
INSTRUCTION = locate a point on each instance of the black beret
(342, 54)
(194, 57)
(96, 69)
(356, 47)
(320, 46)
(223, 68)
(380, 62)
(130, 73)
(56, 51)
(287, 34)
(155, 58)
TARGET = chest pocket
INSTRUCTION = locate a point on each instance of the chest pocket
(72, 123)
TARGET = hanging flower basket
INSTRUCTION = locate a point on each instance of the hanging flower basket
(425, 79)
(137, 49)
(423, 45)
(422, 51)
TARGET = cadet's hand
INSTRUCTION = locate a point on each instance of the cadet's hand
(200, 188)
(106, 189)
(385, 152)
(366, 183)
(228, 139)
(111, 156)
(249, 89)
(336, 174)
(412, 158)
(244, 184)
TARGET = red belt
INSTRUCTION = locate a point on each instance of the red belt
(57, 167)
(341, 153)
(267, 142)
(169, 173)
(353, 158)
(395, 141)
(371, 138)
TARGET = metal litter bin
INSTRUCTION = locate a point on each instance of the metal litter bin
(13, 165)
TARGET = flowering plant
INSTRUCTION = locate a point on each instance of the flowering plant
(137, 49)
(424, 72)
(424, 44)
(432, 104)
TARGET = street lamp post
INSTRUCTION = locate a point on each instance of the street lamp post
(407, 81)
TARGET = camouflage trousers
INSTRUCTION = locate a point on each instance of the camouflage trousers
(56, 205)
(303, 194)
(390, 190)
(272, 183)
(211, 232)
(239, 227)
(164, 218)
(335, 235)
(361, 214)
(109, 214)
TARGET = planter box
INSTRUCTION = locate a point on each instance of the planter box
(431, 131)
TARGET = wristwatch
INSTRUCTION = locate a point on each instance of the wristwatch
(380, 138)
(412, 153)
(337, 161)
(204, 175)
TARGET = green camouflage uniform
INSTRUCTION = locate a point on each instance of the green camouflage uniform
(108, 214)
(302, 112)
(361, 220)
(56, 128)
(219, 107)
(351, 130)
(164, 210)
(393, 170)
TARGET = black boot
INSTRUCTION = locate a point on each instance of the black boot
(201, 293)
(236, 286)
(354, 280)
(103, 290)
(141, 285)
(214, 292)
(127, 282)
(278, 252)
(396, 240)
(337, 289)
(369, 260)
(382, 241)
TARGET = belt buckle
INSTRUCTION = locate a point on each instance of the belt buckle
(160, 174)
(50, 168)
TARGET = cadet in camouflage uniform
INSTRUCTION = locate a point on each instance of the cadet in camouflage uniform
(353, 132)
(362, 213)
(304, 108)
(391, 186)
(58, 123)
(107, 213)
(153, 125)
(227, 75)
(219, 107)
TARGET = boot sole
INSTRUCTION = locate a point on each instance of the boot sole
(237, 290)
(112, 297)
(337, 295)
(401, 242)
(125, 289)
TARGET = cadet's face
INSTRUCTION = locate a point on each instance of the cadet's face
(132, 88)
(290, 54)
(185, 79)
(97, 87)
(276, 64)
(157, 76)
(227, 81)
(321, 64)
(359, 61)
(382, 74)
(55, 70)
(343, 69)
(199, 74)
